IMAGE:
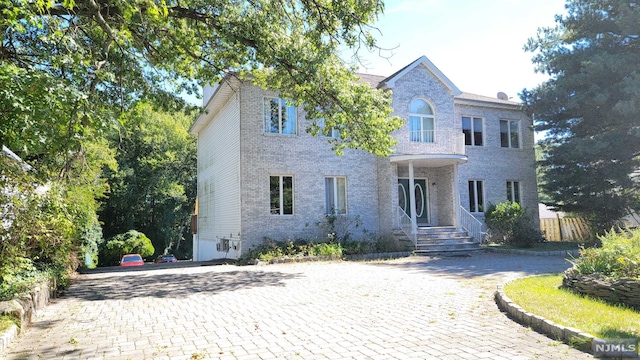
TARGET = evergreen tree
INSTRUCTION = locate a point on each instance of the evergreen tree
(590, 109)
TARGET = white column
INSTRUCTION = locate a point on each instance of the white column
(456, 198)
(412, 200)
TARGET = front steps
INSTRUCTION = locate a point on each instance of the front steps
(440, 239)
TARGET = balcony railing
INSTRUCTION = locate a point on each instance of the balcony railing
(431, 142)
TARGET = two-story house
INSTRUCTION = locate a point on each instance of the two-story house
(260, 174)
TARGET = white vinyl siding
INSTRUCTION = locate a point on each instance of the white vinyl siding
(219, 177)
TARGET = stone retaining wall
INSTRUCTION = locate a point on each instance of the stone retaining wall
(27, 305)
(621, 291)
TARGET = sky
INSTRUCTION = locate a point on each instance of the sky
(477, 44)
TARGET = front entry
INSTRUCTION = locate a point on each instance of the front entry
(422, 199)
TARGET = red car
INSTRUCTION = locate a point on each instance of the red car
(167, 259)
(131, 260)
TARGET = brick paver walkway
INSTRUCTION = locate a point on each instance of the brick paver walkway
(413, 308)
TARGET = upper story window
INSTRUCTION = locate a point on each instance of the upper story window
(421, 121)
(510, 133)
(334, 133)
(472, 127)
(279, 118)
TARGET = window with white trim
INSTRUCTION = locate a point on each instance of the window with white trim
(335, 193)
(281, 195)
(472, 127)
(476, 196)
(510, 133)
(513, 191)
(334, 132)
(421, 121)
(279, 118)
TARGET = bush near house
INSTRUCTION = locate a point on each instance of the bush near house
(270, 249)
(130, 242)
(619, 256)
(509, 223)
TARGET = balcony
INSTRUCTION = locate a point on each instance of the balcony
(431, 142)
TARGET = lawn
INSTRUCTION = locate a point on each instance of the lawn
(545, 246)
(541, 295)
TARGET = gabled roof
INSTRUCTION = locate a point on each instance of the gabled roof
(391, 80)
(222, 91)
(373, 80)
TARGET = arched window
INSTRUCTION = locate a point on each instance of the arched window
(421, 121)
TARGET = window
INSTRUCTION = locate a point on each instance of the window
(335, 193)
(421, 121)
(281, 195)
(509, 133)
(476, 196)
(279, 118)
(334, 132)
(472, 129)
(513, 191)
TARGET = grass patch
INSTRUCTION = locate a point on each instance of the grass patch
(543, 246)
(542, 296)
(6, 322)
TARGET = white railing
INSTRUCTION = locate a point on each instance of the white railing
(471, 225)
(431, 142)
(406, 225)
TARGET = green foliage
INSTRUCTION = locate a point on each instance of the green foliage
(130, 242)
(338, 228)
(36, 220)
(118, 53)
(509, 223)
(619, 256)
(269, 250)
(379, 244)
(153, 188)
(589, 109)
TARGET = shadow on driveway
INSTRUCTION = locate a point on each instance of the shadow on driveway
(123, 286)
(481, 264)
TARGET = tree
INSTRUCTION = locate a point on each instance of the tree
(589, 108)
(129, 242)
(98, 55)
(153, 189)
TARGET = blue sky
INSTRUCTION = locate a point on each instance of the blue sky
(477, 44)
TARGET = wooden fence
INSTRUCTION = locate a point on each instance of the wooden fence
(564, 229)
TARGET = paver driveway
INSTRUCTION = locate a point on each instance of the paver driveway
(413, 308)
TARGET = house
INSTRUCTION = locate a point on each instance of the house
(261, 175)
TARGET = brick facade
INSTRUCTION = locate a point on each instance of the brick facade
(372, 183)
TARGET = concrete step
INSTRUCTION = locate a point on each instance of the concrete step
(453, 241)
(461, 247)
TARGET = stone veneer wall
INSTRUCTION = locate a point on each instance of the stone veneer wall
(620, 291)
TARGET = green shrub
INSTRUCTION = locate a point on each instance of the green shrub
(509, 223)
(270, 249)
(619, 256)
(130, 242)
